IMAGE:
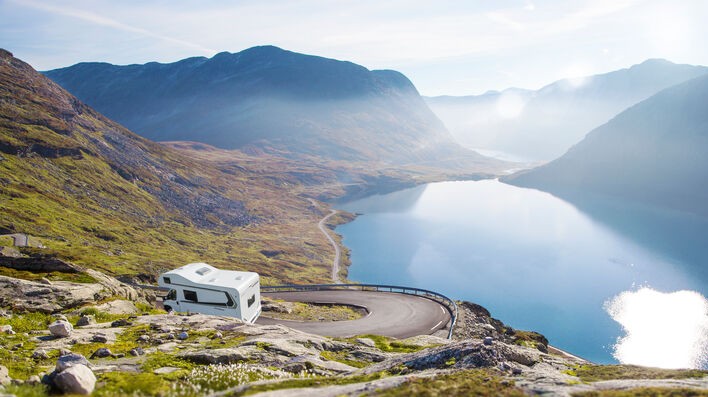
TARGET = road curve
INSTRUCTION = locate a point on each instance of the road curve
(337, 251)
(390, 314)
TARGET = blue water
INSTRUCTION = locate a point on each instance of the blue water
(535, 261)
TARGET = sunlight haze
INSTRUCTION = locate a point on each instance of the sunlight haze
(445, 47)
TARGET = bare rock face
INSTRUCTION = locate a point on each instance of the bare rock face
(61, 328)
(77, 379)
(118, 307)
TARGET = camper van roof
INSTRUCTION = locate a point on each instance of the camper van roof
(202, 273)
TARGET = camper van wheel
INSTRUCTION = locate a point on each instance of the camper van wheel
(168, 308)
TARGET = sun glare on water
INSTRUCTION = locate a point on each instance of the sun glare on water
(665, 330)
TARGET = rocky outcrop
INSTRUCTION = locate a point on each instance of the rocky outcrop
(32, 296)
(39, 264)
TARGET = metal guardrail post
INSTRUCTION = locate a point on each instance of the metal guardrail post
(440, 298)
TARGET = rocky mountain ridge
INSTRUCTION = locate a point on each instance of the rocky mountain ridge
(541, 125)
(273, 100)
(652, 153)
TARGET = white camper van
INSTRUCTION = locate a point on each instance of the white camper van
(201, 288)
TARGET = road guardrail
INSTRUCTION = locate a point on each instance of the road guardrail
(440, 298)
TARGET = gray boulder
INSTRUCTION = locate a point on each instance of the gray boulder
(60, 328)
(77, 379)
(86, 320)
(102, 352)
(69, 360)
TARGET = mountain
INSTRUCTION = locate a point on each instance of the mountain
(543, 124)
(101, 196)
(653, 153)
(272, 100)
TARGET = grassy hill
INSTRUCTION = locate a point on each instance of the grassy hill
(100, 196)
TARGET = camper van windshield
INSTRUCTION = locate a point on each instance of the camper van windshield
(172, 295)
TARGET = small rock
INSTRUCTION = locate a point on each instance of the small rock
(6, 329)
(516, 371)
(86, 320)
(78, 379)
(45, 281)
(18, 346)
(11, 332)
(40, 354)
(182, 335)
(118, 355)
(64, 352)
(144, 338)
(34, 380)
(4, 376)
(60, 328)
(138, 351)
(60, 317)
(504, 366)
(218, 335)
(69, 360)
(488, 340)
(121, 323)
(165, 370)
(100, 338)
(170, 336)
(102, 352)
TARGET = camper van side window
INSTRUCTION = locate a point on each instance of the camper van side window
(251, 300)
(167, 280)
(190, 295)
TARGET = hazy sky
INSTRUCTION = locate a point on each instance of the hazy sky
(451, 47)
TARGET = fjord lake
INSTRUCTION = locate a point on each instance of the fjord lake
(606, 281)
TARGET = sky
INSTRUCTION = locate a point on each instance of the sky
(446, 47)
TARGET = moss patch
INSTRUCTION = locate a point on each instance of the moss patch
(593, 373)
(388, 345)
(344, 358)
(463, 383)
(319, 312)
(646, 392)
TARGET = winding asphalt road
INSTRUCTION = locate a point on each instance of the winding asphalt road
(390, 314)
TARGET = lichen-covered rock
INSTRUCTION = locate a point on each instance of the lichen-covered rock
(60, 328)
(77, 379)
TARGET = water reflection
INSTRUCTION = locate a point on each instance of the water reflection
(665, 330)
(534, 260)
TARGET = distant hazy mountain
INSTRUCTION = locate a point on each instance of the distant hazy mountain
(542, 125)
(654, 152)
(268, 99)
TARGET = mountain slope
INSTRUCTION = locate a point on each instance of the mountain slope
(269, 99)
(101, 196)
(557, 116)
(654, 152)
